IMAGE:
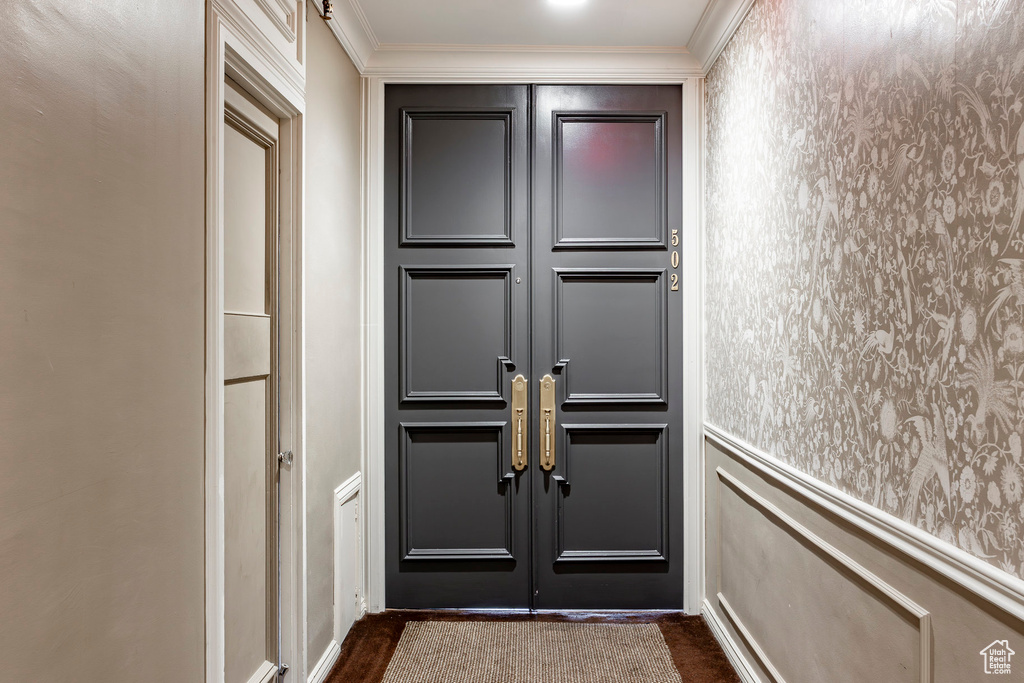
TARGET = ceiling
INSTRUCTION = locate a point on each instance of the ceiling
(648, 41)
(506, 23)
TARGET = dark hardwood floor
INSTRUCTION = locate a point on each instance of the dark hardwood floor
(371, 642)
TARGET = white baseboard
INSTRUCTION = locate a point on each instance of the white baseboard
(732, 651)
(326, 663)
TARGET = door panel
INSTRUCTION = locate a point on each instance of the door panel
(608, 517)
(248, 585)
(611, 327)
(245, 229)
(600, 461)
(251, 587)
(456, 331)
(609, 181)
(458, 468)
(456, 175)
(481, 287)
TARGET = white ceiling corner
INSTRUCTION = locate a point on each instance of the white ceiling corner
(658, 40)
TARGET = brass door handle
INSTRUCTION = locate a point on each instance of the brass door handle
(520, 416)
(547, 416)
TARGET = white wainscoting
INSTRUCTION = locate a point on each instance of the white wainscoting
(897, 602)
(349, 595)
(804, 581)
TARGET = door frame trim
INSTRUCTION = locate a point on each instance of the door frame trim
(692, 302)
(231, 50)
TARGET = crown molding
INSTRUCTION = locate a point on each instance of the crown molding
(582, 49)
(364, 23)
(538, 63)
(719, 22)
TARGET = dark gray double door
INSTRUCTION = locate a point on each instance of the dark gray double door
(533, 232)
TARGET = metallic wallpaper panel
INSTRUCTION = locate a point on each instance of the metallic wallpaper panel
(865, 255)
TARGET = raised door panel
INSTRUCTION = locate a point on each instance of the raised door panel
(456, 334)
(610, 181)
(247, 531)
(610, 335)
(456, 175)
(456, 494)
(245, 221)
(603, 465)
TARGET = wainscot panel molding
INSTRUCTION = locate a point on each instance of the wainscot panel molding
(1000, 588)
(846, 578)
(732, 651)
(326, 663)
(817, 546)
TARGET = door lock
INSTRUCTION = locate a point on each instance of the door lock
(520, 420)
(547, 418)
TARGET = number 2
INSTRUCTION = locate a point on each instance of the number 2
(675, 282)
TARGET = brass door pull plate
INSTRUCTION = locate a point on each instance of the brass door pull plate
(547, 418)
(520, 418)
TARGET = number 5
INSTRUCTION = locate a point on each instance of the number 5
(675, 238)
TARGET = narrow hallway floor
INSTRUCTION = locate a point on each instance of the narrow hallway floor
(370, 644)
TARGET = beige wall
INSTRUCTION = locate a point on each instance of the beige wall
(812, 612)
(333, 276)
(865, 255)
(101, 341)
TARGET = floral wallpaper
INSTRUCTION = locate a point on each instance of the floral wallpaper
(865, 255)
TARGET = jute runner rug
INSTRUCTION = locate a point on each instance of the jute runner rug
(530, 652)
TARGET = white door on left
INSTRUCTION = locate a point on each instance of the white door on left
(251, 585)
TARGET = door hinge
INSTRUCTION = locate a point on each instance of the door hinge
(282, 670)
(285, 458)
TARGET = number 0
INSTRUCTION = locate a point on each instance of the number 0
(675, 259)
(675, 282)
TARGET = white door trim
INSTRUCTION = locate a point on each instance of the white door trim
(231, 50)
(691, 277)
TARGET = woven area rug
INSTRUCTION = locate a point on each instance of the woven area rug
(530, 652)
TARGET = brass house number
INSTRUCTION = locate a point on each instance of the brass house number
(675, 261)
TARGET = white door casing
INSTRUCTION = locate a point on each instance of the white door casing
(235, 50)
(691, 283)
